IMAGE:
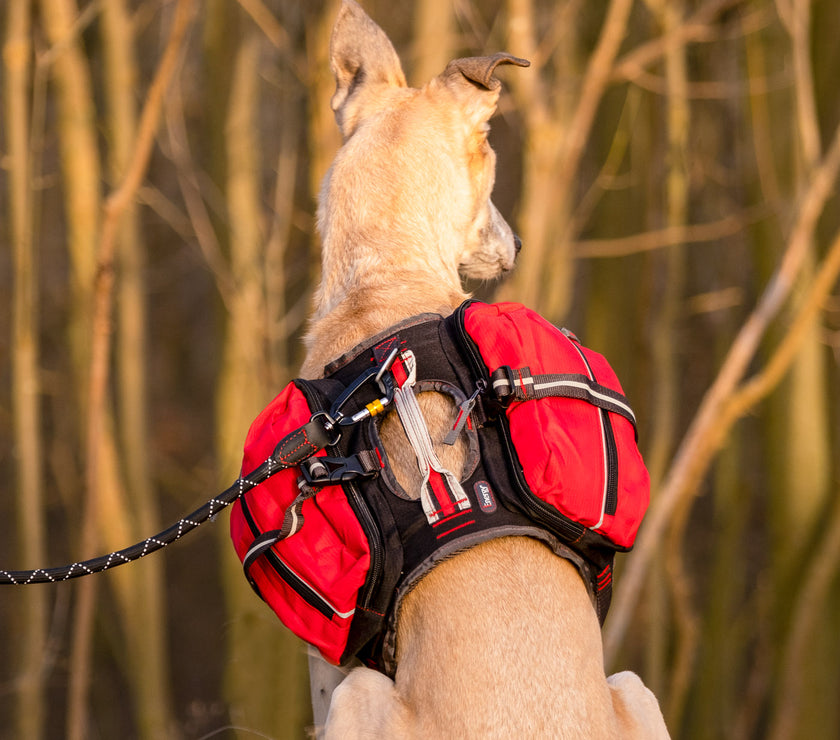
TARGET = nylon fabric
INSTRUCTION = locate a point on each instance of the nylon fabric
(312, 579)
(555, 437)
(334, 560)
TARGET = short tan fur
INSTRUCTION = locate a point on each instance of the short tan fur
(501, 641)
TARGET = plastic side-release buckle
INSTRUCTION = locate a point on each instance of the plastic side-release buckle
(324, 471)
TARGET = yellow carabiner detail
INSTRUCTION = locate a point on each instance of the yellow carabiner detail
(375, 407)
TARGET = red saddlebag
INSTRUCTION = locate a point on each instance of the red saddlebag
(312, 580)
(567, 424)
(557, 449)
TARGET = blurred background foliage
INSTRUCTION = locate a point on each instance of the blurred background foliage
(671, 166)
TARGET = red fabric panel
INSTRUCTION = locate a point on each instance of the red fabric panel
(559, 441)
(330, 552)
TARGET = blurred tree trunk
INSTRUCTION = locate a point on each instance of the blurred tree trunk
(144, 608)
(30, 658)
(434, 39)
(324, 136)
(79, 162)
(715, 703)
(557, 122)
(266, 677)
(81, 182)
(107, 521)
(666, 348)
(544, 274)
(802, 490)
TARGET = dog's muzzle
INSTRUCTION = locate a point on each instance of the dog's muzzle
(517, 243)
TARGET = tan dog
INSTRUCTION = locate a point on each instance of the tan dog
(501, 640)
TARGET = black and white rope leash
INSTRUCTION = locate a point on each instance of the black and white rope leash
(322, 430)
(150, 544)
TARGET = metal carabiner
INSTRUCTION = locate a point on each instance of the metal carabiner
(385, 383)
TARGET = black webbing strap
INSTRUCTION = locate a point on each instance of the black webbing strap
(519, 384)
(292, 522)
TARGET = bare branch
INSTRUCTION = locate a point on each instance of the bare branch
(759, 386)
(595, 81)
(267, 23)
(695, 28)
(710, 427)
(190, 187)
(667, 237)
(114, 207)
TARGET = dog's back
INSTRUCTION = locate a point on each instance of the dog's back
(501, 640)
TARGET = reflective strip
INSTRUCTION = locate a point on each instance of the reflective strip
(261, 546)
(604, 421)
(599, 395)
(609, 400)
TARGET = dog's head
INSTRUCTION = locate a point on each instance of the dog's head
(413, 180)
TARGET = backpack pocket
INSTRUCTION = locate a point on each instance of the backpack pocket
(566, 422)
(314, 577)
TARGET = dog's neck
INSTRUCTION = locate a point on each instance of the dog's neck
(344, 316)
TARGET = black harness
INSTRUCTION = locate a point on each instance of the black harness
(492, 498)
(404, 545)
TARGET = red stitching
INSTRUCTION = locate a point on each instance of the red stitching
(450, 531)
(372, 611)
(448, 518)
(284, 458)
(522, 383)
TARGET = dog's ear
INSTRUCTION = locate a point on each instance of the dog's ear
(472, 80)
(479, 70)
(361, 56)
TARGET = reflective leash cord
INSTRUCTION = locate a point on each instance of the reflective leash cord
(322, 430)
(151, 544)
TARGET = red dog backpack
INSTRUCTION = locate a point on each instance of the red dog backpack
(332, 543)
(578, 457)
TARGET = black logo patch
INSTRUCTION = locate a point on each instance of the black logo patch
(484, 496)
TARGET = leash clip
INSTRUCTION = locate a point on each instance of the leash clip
(330, 425)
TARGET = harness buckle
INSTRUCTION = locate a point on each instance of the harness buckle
(325, 471)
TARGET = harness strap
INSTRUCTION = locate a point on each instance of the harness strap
(441, 494)
(519, 384)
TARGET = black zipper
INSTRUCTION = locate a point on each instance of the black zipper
(297, 584)
(610, 449)
(611, 503)
(363, 514)
(375, 546)
(474, 358)
(545, 513)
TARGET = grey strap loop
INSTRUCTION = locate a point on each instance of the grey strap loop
(521, 385)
